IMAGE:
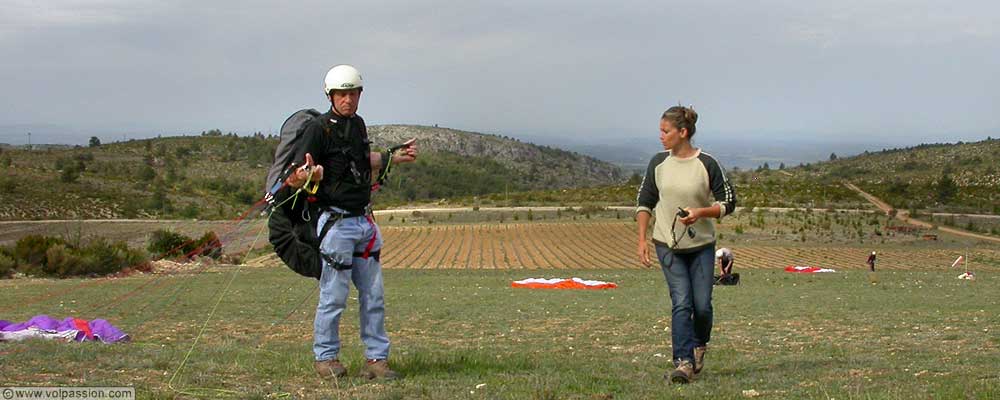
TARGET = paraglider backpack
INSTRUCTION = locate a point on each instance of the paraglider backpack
(291, 225)
(728, 280)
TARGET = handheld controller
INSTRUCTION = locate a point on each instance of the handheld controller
(683, 214)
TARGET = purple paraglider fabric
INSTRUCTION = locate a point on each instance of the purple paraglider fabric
(68, 329)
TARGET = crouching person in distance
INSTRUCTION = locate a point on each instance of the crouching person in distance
(337, 154)
(687, 185)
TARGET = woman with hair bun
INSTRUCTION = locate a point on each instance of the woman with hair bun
(684, 184)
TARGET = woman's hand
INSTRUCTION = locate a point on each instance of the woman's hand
(693, 215)
(644, 254)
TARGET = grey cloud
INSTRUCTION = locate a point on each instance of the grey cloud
(591, 70)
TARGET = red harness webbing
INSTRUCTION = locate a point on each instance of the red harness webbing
(371, 243)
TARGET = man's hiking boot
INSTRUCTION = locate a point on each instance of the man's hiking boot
(699, 358)
(378, 369)
(684, 373)
(330, 369)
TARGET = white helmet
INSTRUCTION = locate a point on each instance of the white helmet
(342, 77)
(718, 253)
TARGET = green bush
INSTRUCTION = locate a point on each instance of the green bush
(44, 256)
(209, 245)
(8, 185)
(147, 173)
(106, 258)
(69, 174)
(31, 249)
(7, 265)
(61, 262)
(165, 243)
(190, 211)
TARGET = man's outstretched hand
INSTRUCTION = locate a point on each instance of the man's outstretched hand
(298, 178)
(406, 154)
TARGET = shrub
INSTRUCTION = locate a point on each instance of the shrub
(190, 211)
(8, 185)
(61, 262)
(146, 173)
(159, 200)
(7, 265)
(209, 245)
(53, 257)
(163, 243)
(69, 174)
(103, 258)
(31, 249)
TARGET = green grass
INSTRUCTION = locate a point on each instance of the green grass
(914, 335)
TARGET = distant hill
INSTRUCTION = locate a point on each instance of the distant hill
(216, 176)
(634, 152)
(963, 177)
(548, 166)
(914, 178)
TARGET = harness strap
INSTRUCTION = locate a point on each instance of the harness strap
(377, 255)
(329, 224)
(371, 243)
(368, 253)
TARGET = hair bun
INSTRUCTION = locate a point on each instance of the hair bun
(690, 115)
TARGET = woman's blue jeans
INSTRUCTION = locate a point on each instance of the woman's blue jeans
(689, 277)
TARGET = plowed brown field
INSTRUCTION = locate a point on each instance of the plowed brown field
(610, 245)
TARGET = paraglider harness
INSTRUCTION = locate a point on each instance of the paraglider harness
(291, 232)
(728, 279)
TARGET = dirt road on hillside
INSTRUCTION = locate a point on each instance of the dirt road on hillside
(904, 216)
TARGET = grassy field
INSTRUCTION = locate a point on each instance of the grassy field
(467, 334)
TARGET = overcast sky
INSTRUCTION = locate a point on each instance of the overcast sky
(840, 70)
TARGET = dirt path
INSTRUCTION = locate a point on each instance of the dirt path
(904, 216)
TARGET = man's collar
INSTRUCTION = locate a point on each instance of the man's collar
(335, 118)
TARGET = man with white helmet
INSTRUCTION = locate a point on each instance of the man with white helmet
(335, 152)
(725, 257)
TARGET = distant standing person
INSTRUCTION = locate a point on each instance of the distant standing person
(871, 262)
(687, 185)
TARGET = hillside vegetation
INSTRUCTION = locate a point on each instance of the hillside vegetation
(959, 178)
(216, 176)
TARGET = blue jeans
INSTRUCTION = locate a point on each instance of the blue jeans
(690, 280)
(347, 236)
